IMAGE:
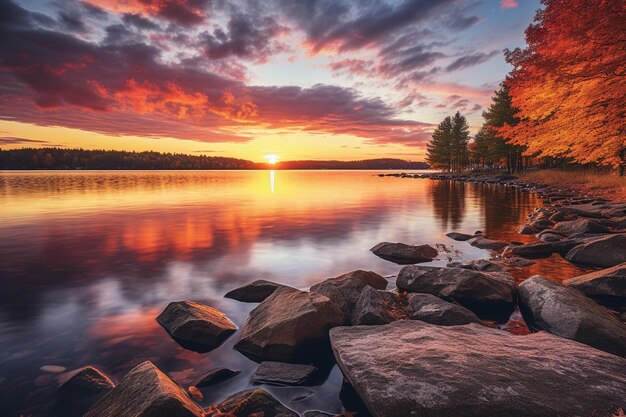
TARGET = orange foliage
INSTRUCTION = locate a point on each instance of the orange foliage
(570, 82)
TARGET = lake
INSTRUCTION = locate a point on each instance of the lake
(89, 259)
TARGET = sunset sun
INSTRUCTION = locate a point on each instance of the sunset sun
(271, 159)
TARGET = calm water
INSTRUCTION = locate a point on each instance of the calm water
(89, 259)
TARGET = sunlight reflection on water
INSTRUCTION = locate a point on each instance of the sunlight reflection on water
(89, 259)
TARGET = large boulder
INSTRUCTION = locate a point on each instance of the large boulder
(574, 227)
(566, 312)
(289, 326)
(434, 310)
(196, 326)
(533, 250)
(411, 368)
(251, 403)
(404, 254)
(145, 391)
(87, 381)
(602, 252)
(254, 292)
(606, 286)
(482, 242)
(490, 295)
(346, 289)
(281, 373)
(379, 307)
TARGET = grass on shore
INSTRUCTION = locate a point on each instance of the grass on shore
(595, 182)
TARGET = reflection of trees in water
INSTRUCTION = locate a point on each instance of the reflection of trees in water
(503, 208)
(448, 201)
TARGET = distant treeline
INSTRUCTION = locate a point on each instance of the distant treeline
(59, 158)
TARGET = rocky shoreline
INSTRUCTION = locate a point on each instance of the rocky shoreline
(430, 346)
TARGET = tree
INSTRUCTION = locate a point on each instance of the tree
(448, 148)
(439, 149)
(569, 84)
(501, 113)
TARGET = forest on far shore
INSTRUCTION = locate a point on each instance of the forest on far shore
(76, 159)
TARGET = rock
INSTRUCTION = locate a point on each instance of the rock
(379, 307)
(87, 381)
(434, 310)
(461, 237)
(541, 224)
(411, 368)
(488, 294)
(319, 414)
(195, 393)
(517, 262)
(602, 252)
(289, 326)
(251, 403)
(145, 391)
(574, 227)
(526, 229)
(484, 243)
(281, 373)
(482, 265)
(566, 312)
(563, 246)
(254, 292)
(196, 326)
(550, 235)
(533, 250)
(215, 376)
(344, 291)
(607, 286)
(403, 254)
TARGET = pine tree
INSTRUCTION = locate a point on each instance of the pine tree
(439, 149)
(460, 141)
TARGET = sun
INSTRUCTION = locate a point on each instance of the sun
(271, 159)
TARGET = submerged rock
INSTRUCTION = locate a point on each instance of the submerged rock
(281, 373)
(434, 310)
(461, 237)
(482, 242)
(344, 291)
(251, 403)
(289, 326)
(196, 326)
(411, 368)
(215, 376)
(566, 312)
(606, 286)
(379, 307)
(403, 254)
(145, 391)
(254, 292)
(488, 294)
(87, 381)
(602, 252)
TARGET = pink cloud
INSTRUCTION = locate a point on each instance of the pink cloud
(509, 4)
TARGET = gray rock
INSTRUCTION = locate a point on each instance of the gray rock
(87, 381)
(482, 242)
(289, 326)
(379, 307)
(526, 229)
(281, 373)
(215, 376)
(344, 291)
(488, 294)
(411, 368)
(461, 237)
(541, 224)
(566, 312)
(602, 252)
(606, 286)
(145, 391)
(550, 235)
(574, 227)
(482, 265)
(517, 262)
(563, 246)
(254, 292)
(250, 403)
(403, 254)
(533, 250)
(196, 326)
(434, 310)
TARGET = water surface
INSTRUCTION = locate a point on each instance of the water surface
(89, 259)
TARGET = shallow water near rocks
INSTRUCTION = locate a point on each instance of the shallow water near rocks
(89, 259)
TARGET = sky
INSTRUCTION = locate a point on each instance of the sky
(299, 79)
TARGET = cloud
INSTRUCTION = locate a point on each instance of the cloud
(470, 60)
(138, 21)
(184, 12)
(509, 4)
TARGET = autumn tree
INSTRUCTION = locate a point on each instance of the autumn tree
(448, 148)
(569, 84)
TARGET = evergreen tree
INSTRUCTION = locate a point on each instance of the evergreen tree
(439, 149)
(460, 141)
